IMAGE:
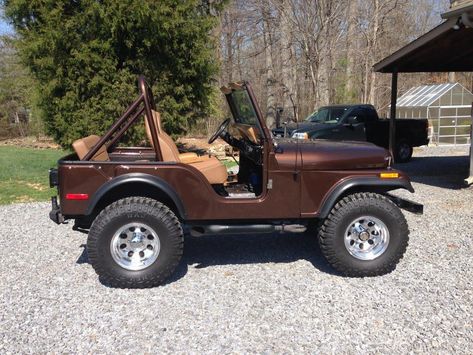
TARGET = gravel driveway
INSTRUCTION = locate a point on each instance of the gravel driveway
(248, 294)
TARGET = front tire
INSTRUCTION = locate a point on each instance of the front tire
(365, 234)
(135, 242)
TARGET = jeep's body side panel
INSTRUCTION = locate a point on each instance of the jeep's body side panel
(200, 201)
(295, 192)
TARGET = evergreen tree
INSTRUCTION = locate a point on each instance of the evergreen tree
(86, 54)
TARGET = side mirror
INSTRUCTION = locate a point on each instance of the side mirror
(351, 120)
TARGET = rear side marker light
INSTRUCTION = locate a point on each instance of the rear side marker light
(77, 196)
(389, 175)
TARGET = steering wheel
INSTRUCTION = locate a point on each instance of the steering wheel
(220, 130)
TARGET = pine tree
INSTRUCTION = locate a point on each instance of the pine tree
(86, 54)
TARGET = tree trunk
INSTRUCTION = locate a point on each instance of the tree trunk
(374, 47)
(350, 93)
(326, 63)
(229, 46)
(288, 66)
(268, 53)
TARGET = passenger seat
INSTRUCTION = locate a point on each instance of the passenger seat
(210, 167)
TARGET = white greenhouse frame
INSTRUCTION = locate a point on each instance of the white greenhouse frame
(446, 106)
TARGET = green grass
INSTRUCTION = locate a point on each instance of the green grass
(24, 173)
(230, 163)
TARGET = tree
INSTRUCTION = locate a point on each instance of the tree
(16, 94)
(86, 55)
(302, 54)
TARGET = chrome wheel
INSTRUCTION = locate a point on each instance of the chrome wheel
(135, 246)
(366, 238)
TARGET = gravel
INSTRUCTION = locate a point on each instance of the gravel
(249, 294)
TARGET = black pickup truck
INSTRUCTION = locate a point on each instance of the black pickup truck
(359, 123)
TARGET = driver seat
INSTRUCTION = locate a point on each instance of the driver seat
(214, 171)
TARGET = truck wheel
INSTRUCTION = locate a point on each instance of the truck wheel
(365, 234)
(135, 242)
(403, 152)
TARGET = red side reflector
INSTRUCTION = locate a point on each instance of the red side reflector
(77, 196)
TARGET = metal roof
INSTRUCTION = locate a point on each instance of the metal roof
(423, 96)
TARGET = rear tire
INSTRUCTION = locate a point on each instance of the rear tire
(365, 234)
(403, 152)
(135, 242)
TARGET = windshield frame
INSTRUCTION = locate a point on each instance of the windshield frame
(259, 124)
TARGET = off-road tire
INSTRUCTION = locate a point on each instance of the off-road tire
(135, 209)
(332, 234)
(403, 151)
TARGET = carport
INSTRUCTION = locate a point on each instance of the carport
(446, 48)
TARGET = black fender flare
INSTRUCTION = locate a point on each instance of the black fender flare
(367, 181)
(142, 178)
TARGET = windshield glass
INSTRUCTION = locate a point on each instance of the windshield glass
(328, 115)
(244, 110)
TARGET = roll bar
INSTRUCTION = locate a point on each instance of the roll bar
(143, 104)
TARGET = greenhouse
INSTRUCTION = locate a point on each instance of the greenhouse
(448, 108)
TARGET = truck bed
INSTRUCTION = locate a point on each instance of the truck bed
(413, 130)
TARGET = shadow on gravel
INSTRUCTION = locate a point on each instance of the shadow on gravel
(205, 251)
(208, 251)
(83, 257)
(440, 171)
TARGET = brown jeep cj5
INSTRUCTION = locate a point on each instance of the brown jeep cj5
(136, 202)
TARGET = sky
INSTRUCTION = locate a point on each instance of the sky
(5, 28)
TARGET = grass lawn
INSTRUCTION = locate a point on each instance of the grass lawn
(24, 173)
(229, 163)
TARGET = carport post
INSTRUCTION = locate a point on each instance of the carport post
(469, 180)
(392, 118)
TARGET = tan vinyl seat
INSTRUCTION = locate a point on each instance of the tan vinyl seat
(210, 167)
(84, 145)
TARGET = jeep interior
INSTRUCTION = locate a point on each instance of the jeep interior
(242, 132)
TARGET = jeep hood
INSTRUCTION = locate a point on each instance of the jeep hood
(324, 154)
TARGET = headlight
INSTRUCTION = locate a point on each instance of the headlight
(300, 135)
